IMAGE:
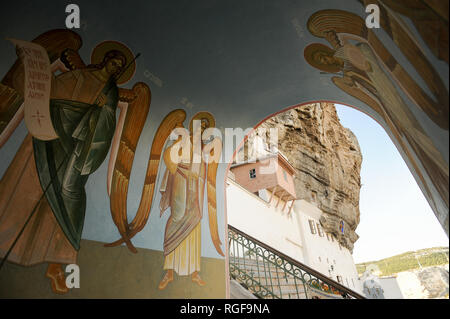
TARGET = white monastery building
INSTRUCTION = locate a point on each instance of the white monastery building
(261, 202)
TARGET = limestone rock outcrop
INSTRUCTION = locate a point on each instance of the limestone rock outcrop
(435, 281)
(328, 160)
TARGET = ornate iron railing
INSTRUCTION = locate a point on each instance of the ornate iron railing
(270, 274)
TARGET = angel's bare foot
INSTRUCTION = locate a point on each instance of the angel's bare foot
(168, 277)
(196, 278)
(57, 277)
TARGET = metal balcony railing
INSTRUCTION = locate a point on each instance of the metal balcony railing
(270, 274)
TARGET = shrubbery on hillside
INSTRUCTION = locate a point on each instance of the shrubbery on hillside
(408, 261)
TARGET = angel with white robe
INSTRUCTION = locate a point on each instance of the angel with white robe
(183, 190)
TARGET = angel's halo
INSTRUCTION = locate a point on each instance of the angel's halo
(100, 50)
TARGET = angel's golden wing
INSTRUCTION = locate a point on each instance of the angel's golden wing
(430, 18)
(136, 116)
(214, 155)
(121, 175)
(11, 86)
(10, 102)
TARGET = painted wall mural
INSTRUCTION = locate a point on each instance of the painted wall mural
(86, 147)
(49, 171)
(183, 190)
(361, 58)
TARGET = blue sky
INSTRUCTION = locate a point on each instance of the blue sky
(395, 216)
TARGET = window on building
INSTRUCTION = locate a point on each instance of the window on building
(312, 226)
(339, 279)
(328, 261)
(320, 230)
(252, 173)
(285, 175)
(320, 259)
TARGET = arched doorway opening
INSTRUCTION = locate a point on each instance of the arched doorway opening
(234, 172)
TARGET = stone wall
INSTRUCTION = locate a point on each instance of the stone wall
(328, 161)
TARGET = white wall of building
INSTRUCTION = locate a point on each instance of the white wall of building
(255, 217)
(291, 234)
(324, 253)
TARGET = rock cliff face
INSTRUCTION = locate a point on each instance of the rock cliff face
(435, 281)
(328, 161)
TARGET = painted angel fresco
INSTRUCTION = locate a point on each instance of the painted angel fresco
(430, 18)
(42, 193)
(183, 190)
(366, 70)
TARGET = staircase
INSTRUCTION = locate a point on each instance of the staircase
(270, 274)
(267, 280)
